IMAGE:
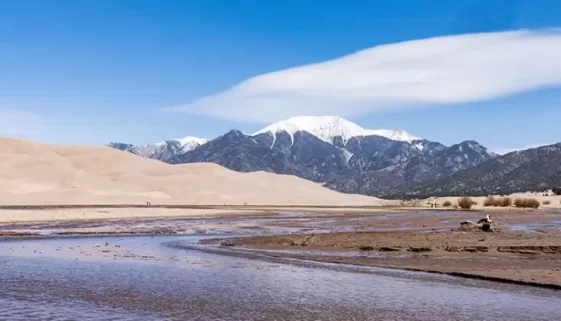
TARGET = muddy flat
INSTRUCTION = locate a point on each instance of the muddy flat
(533, 258)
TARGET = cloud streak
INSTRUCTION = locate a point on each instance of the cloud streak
(427, 72)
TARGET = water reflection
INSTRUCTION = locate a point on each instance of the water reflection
(144, 278)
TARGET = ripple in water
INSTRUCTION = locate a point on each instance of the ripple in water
(191, 285)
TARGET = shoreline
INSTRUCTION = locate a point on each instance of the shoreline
(189, 206)
(525, 250)
(521, 258)
(49, 213)
(93, 212)
(257, 253)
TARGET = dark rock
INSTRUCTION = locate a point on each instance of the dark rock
(475, 249)
(389, 249)
(487, 227)
(419, 249)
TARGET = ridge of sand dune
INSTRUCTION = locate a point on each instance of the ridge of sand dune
(35, 173)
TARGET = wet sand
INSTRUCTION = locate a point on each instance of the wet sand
(525, 258)
(58, 213)
(26, 214)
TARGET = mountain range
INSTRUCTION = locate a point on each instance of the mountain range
(536, 169)
(345, 157)
(164, 151)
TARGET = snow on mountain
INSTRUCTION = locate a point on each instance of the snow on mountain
(180, 145)
(164, 151)
(399, 135)
(327, 128)
(190, 142)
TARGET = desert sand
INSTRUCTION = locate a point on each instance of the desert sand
(96, 214)
(40, 174)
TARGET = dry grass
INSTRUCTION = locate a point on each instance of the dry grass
(527, 203)
(497, 201)
(447, 204)
(489, 201)
(506, 202)
(466, 202)
(546, 202)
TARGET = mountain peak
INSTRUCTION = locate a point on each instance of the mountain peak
(327, 128)
(190, 142)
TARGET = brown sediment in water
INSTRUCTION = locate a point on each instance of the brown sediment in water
(524, 258)
(15, 234)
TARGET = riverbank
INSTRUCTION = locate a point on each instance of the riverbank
(526, 251)
(86, 213)
(83, 212)
(158, 278)
(525, 258)
(118, 219)
(60, 213)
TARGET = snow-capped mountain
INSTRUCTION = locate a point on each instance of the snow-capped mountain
(372, 165)
(328, 128)
(326, 149)
(164, 151)
(190, 142)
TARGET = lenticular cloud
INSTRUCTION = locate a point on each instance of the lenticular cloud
(428, 72)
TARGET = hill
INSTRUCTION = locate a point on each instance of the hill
(535, 169)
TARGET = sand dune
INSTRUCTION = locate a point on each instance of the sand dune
(34, 173)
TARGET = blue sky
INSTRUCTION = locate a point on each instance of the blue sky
(98, 71)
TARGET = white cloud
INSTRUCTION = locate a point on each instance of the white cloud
(19, 123)
(441, 70)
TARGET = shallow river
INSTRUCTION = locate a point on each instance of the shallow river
(154, 278)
